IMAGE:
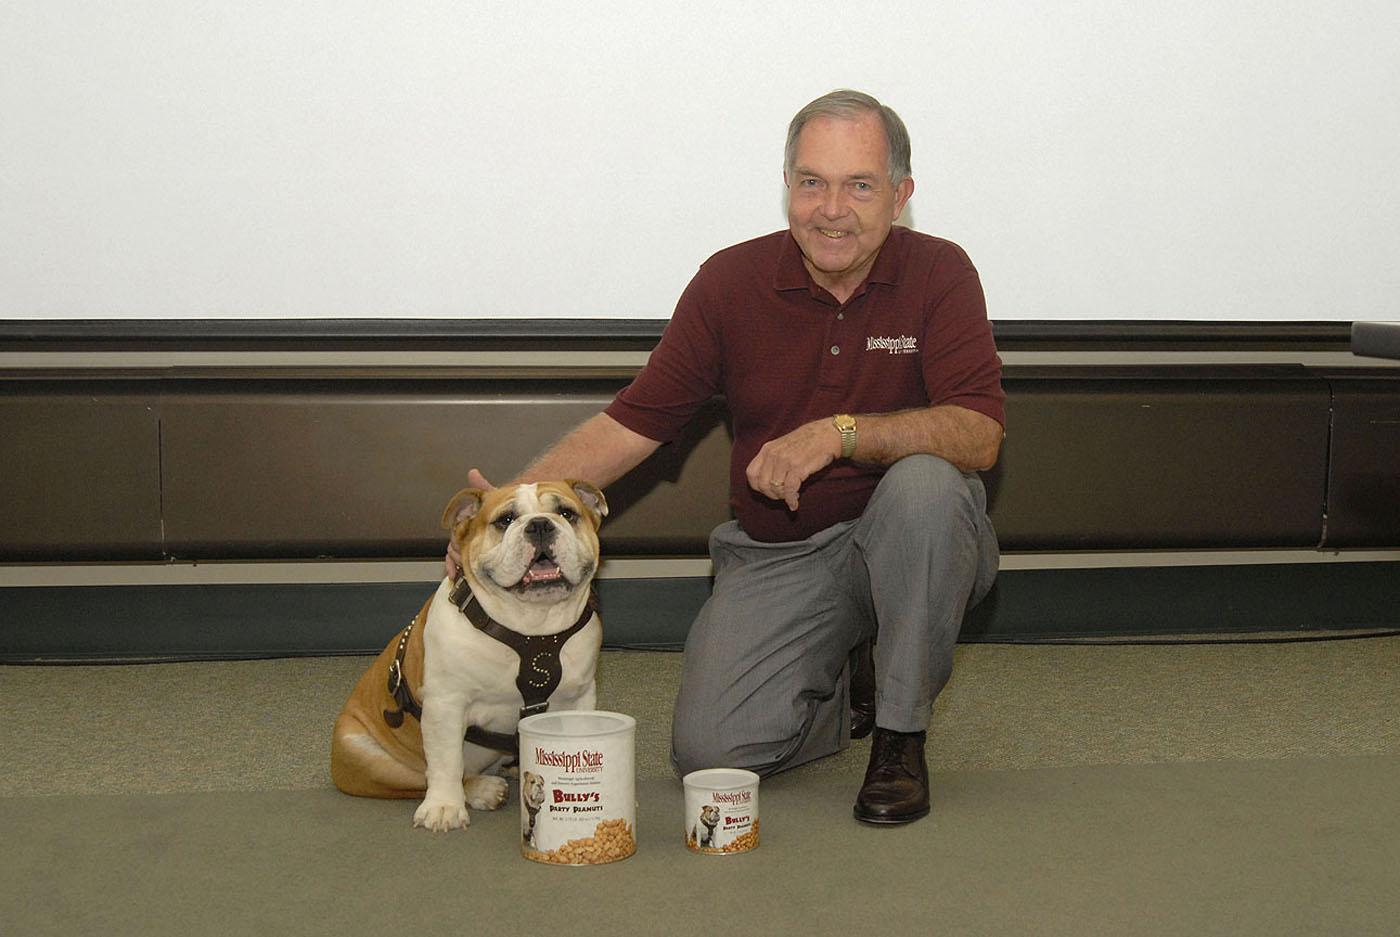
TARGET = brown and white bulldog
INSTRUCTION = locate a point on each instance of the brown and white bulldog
(529, 553)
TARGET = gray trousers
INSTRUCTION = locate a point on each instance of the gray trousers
(764, 682)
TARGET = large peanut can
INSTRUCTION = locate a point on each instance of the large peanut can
(577, 787)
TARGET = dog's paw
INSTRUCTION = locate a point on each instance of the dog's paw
(485, 792)
(441, 817)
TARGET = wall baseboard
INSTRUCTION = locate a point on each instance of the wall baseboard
(124, 623)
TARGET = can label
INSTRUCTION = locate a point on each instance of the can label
(577, 791)
(721, 821)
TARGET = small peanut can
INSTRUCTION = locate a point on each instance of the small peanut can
(577, 787)
(721, 811)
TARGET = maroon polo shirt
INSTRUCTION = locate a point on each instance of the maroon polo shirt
(754, 327)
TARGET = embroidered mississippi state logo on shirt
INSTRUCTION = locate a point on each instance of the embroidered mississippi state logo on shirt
(901, 345)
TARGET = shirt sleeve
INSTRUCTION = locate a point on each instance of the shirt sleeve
(682, 374)
(960, 363)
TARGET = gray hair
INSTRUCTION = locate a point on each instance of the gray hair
(852, 105)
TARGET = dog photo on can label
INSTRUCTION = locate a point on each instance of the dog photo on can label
(532, 795)
(704, 831)
(517, 633)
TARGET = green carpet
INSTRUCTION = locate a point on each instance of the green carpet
(1280, 847)
(1160, 790)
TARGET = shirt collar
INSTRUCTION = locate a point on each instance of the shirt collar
(791, 273)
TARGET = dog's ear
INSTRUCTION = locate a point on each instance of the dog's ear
(463, 506)
(591, 497)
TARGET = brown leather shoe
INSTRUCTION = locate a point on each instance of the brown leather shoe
(896, 782)
(863, 689)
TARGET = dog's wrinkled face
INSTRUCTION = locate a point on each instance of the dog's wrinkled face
(709, 815)
(532, 788)
(536, 542)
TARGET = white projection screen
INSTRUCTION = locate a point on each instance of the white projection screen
(1147, 160)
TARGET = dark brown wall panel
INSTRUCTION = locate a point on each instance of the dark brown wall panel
(1363, 492)
(1099, 464)
(338, 470)
(80, 471)
(361, 466)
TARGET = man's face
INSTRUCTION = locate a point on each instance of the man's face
(840, 201)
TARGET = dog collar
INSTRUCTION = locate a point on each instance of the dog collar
(540, 669)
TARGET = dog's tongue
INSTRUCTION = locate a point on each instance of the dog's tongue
(542, 570)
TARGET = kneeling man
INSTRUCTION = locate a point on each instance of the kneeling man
(864, 385)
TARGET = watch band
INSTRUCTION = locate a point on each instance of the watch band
(846, 426)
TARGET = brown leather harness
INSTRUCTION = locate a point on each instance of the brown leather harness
(540, 667)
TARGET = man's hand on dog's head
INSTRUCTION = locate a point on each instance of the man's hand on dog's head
(452, 563)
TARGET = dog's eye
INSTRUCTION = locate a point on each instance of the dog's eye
(569, 514)
(504, 521)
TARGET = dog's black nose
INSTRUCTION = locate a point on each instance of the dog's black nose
(539, 529)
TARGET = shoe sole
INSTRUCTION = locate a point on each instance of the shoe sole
(899, 820)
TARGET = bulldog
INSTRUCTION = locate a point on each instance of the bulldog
(532, 796)
(709, 819)
(435, 715)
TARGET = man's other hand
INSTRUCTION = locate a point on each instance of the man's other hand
(783, 464)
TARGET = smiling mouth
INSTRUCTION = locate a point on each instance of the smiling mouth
(543, 571)
(832, 235)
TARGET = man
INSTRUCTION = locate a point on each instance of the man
(864, 386)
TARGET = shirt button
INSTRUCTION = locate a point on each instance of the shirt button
(836, 349)
(841, 316)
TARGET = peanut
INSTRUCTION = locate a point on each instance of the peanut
(611, 840)
(744, 841)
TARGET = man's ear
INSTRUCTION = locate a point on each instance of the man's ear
(902, 193)
(591, 497)
(464, 506)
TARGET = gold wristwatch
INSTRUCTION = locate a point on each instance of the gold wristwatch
(846, 426)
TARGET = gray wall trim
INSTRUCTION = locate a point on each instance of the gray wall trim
(426, 572)
(124, 623)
